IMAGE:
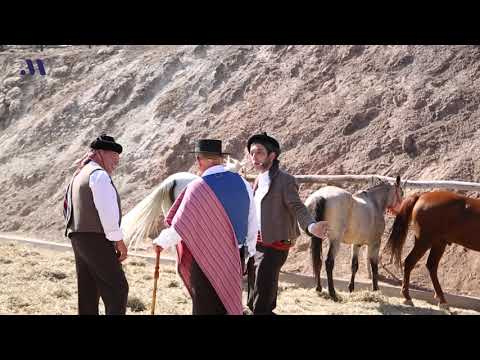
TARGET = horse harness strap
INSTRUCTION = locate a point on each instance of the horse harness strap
(398, 199)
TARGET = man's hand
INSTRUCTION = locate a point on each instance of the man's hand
(320, 229)
(158, 249)
(121, 250)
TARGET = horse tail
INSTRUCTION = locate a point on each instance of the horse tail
(144, 219)
(316, 243)
(320, 209)
(400, 229)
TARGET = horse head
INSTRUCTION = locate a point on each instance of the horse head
(395, 197)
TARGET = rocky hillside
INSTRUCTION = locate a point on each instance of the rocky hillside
(408, 110)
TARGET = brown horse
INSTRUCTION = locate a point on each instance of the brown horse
(439, 218)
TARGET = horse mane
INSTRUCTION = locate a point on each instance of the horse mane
(379, 182)
(144, 219)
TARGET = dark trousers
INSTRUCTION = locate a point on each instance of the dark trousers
(263, 272)
(99, 274)
(205, 300)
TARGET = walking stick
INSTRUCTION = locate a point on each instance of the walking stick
(154, 297)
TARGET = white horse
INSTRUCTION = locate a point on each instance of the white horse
(356, 219)
(143, 220)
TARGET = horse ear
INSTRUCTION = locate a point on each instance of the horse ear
(398, 180)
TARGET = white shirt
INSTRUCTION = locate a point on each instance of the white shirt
(105, 199)
(169, 237)
(262, 189)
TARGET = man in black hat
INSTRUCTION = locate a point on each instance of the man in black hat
(93, 213)
(278, 209)
(210, 221)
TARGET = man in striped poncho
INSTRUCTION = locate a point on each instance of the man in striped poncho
(209, 222)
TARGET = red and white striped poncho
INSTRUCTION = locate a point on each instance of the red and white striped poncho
(208, 237)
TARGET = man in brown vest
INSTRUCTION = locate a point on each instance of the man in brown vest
(279, 208)
(93, 213)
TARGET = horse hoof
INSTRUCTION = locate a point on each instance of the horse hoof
(334, 298)
(350, 288)
(318, 289)
(408, 302)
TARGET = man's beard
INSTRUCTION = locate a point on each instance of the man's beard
(266, 164)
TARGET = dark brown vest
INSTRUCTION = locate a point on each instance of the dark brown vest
(83, 213)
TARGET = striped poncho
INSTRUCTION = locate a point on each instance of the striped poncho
(207, 235)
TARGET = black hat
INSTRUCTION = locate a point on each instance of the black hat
(209, 146)
(105, 142)
(269, 142)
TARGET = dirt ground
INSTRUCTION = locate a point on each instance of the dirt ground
(37, 281)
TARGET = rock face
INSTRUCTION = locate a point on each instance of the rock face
(408, 110)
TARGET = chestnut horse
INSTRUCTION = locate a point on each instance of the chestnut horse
(439, 218)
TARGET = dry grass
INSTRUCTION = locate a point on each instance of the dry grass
(38, 281)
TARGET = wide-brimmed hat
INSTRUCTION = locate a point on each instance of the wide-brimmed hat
(209, 146)
(105, 142)
(267, 141)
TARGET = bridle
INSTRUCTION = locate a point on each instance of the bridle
(398, 200)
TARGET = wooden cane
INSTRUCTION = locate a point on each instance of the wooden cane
(154, 297)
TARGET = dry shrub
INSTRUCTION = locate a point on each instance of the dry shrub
(136, 304)
(366, 296)
(62, 294)
(16, 302)
(54, 275)
(136, 263)
(173, 284)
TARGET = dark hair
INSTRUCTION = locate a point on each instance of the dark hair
(273, 169)
(275, 163)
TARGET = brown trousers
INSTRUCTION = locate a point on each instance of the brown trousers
(99, 274)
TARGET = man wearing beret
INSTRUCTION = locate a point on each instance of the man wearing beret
(93, 213)
(278, 209)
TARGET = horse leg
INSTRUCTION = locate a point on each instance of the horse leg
(432, 265)
(329, 264)
(373, 250)
(355, 250)
(419, 249)
(316, 252)
(369, 268)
